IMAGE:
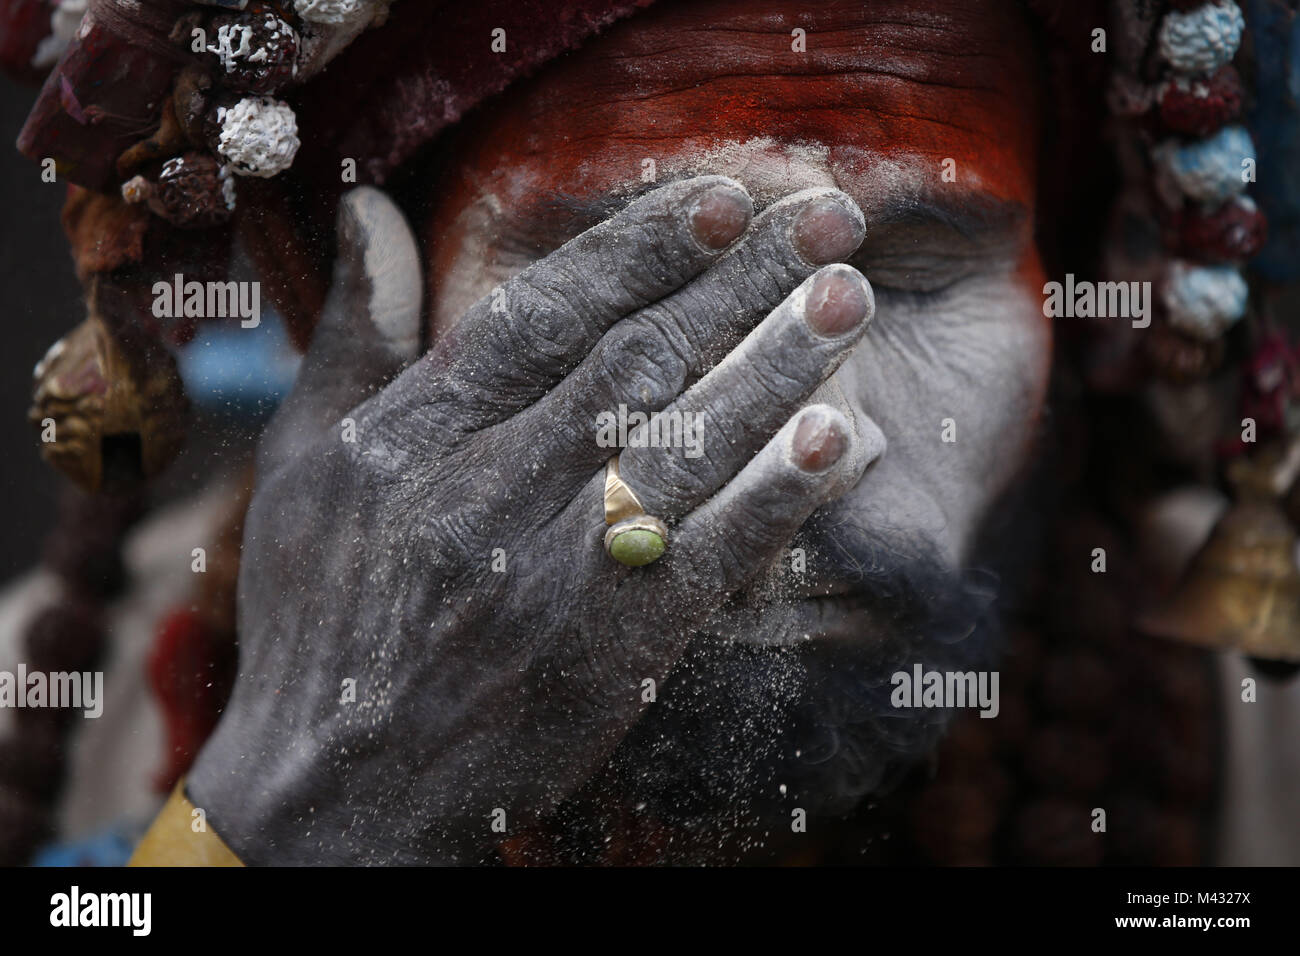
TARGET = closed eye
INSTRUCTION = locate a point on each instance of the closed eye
(909, 299)
(927, 247)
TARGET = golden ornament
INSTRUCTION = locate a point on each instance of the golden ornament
(107, 419)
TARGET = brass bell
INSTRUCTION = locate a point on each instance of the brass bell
(107, 419)
(1242, 590)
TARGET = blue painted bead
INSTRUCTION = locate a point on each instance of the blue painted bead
(1210, 170)
(1204, 301)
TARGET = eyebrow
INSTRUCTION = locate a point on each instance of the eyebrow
(594, 209)
(975, 217)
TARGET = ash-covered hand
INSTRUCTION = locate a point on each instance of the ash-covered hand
(433, 639)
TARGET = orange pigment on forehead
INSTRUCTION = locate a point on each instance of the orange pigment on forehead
(927, 81)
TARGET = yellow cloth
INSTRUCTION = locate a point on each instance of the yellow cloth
(172, 841)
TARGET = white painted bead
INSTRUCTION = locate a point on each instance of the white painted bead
(334, 11)
(259, 136)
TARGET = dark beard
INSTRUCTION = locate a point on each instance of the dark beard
(734, 722)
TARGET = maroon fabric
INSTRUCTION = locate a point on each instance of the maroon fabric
(105, 94)
(396, 87)
(23, 25)
(385, 96)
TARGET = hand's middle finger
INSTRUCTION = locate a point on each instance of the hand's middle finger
(645, 361)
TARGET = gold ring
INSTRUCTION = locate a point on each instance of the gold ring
(633, 538)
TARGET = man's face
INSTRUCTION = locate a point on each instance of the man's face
(927, 119)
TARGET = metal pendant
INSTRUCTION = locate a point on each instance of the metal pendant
(107, 419)
(1242, 590)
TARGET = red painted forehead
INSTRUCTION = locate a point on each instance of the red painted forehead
(928, 81)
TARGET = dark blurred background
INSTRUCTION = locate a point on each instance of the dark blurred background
(42, 301)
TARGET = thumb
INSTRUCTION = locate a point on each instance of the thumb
(369, 328)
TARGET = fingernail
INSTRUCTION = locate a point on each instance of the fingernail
(719, 216)
(818, 441)
(826, 231)
(838, 300)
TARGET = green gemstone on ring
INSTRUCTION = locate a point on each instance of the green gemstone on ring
(636, 547)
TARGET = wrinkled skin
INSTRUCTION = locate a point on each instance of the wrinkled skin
(373, 560)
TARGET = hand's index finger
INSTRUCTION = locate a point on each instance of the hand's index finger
(519, 341)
